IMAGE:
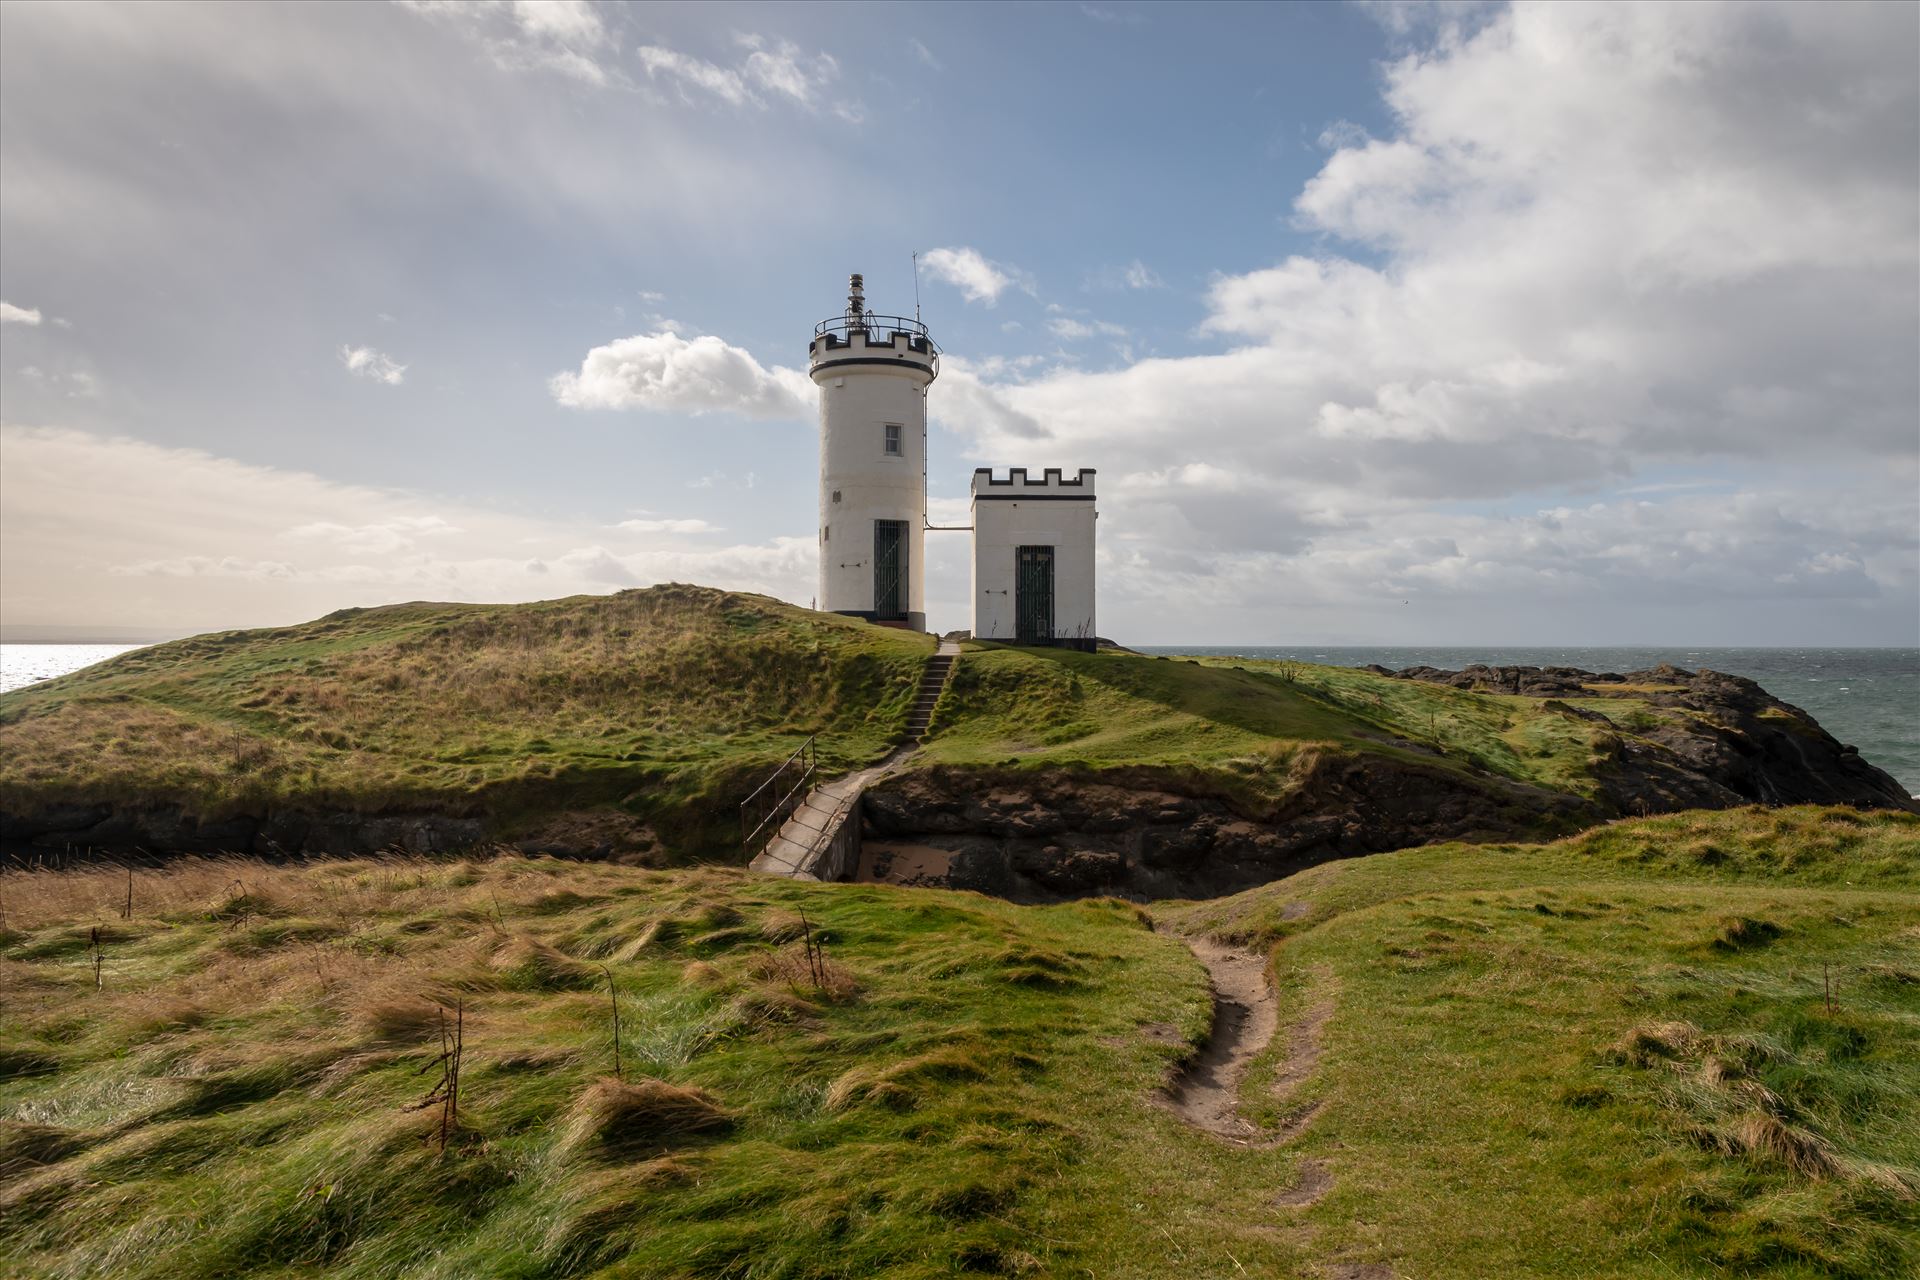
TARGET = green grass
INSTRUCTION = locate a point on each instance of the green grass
(1606, 1056)
(664, 702)
(969, 1090)
(1613, 1055)
(1249, 730)
(661, 708)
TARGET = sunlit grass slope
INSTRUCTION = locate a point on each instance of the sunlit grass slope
(655, 699)
(1610, 1056)
(1613, 1055)
(1250, 725)
(967, 1085)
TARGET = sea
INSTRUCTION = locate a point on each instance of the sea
(1868, 697)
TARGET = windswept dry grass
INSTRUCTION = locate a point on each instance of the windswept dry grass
(659, 701)
(243, 1093)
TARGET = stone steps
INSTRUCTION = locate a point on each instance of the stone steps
(814, 835)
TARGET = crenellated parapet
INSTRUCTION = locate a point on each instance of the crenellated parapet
(1052, 481)
(867, 341)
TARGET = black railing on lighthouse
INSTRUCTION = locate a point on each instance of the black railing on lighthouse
(868, 322)
(762, 812)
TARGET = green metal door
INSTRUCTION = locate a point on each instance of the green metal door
(889, 569)
(1033, 595)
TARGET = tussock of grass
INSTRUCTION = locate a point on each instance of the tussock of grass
(402, 1020)
(526, 964)
(616, 1119)
(1738, 933)
(820, 977)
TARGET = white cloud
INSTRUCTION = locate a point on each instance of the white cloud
(668, 525)
(977, 278)
(1598, 241)
(205, 567)
(1113, 16)
(398, 534)
(772, 71)
(924, 54)
(664, 371)
(562, 36)
(365, 362)
(1071, 330)
(695, 73)
(10, 314)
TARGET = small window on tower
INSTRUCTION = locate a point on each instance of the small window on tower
(893, 439)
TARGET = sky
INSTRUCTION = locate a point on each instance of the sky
(1443, 324)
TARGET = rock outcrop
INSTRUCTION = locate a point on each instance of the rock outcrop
(1713, 741)
(1680, 740)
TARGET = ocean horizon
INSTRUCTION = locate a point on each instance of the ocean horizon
(1868, 697)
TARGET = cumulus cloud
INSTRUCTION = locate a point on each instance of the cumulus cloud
(667, 372)
(365, 362)
(1597, 242)
(976, 277)
(10, 314)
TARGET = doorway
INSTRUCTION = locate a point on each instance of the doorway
(1033, 595)
(889, 569)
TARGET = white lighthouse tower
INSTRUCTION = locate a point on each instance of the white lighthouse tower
(873, 372)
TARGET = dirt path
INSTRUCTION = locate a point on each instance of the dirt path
(1205, 1093)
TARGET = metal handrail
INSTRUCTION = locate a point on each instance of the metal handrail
(867, 321)
(806, 756)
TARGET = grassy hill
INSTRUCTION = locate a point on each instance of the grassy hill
(661, 707)
(658, 704)
(1607, 1056)
(640, 720)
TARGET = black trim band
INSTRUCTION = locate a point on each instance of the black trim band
(1033, 497)
(898, 362)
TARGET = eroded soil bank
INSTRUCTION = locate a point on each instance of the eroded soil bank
(1043, 836)
(1711, 742)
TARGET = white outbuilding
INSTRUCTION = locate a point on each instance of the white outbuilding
(1033, 557)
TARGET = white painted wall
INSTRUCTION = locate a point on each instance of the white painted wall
(1045, 510)
(859, 481)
